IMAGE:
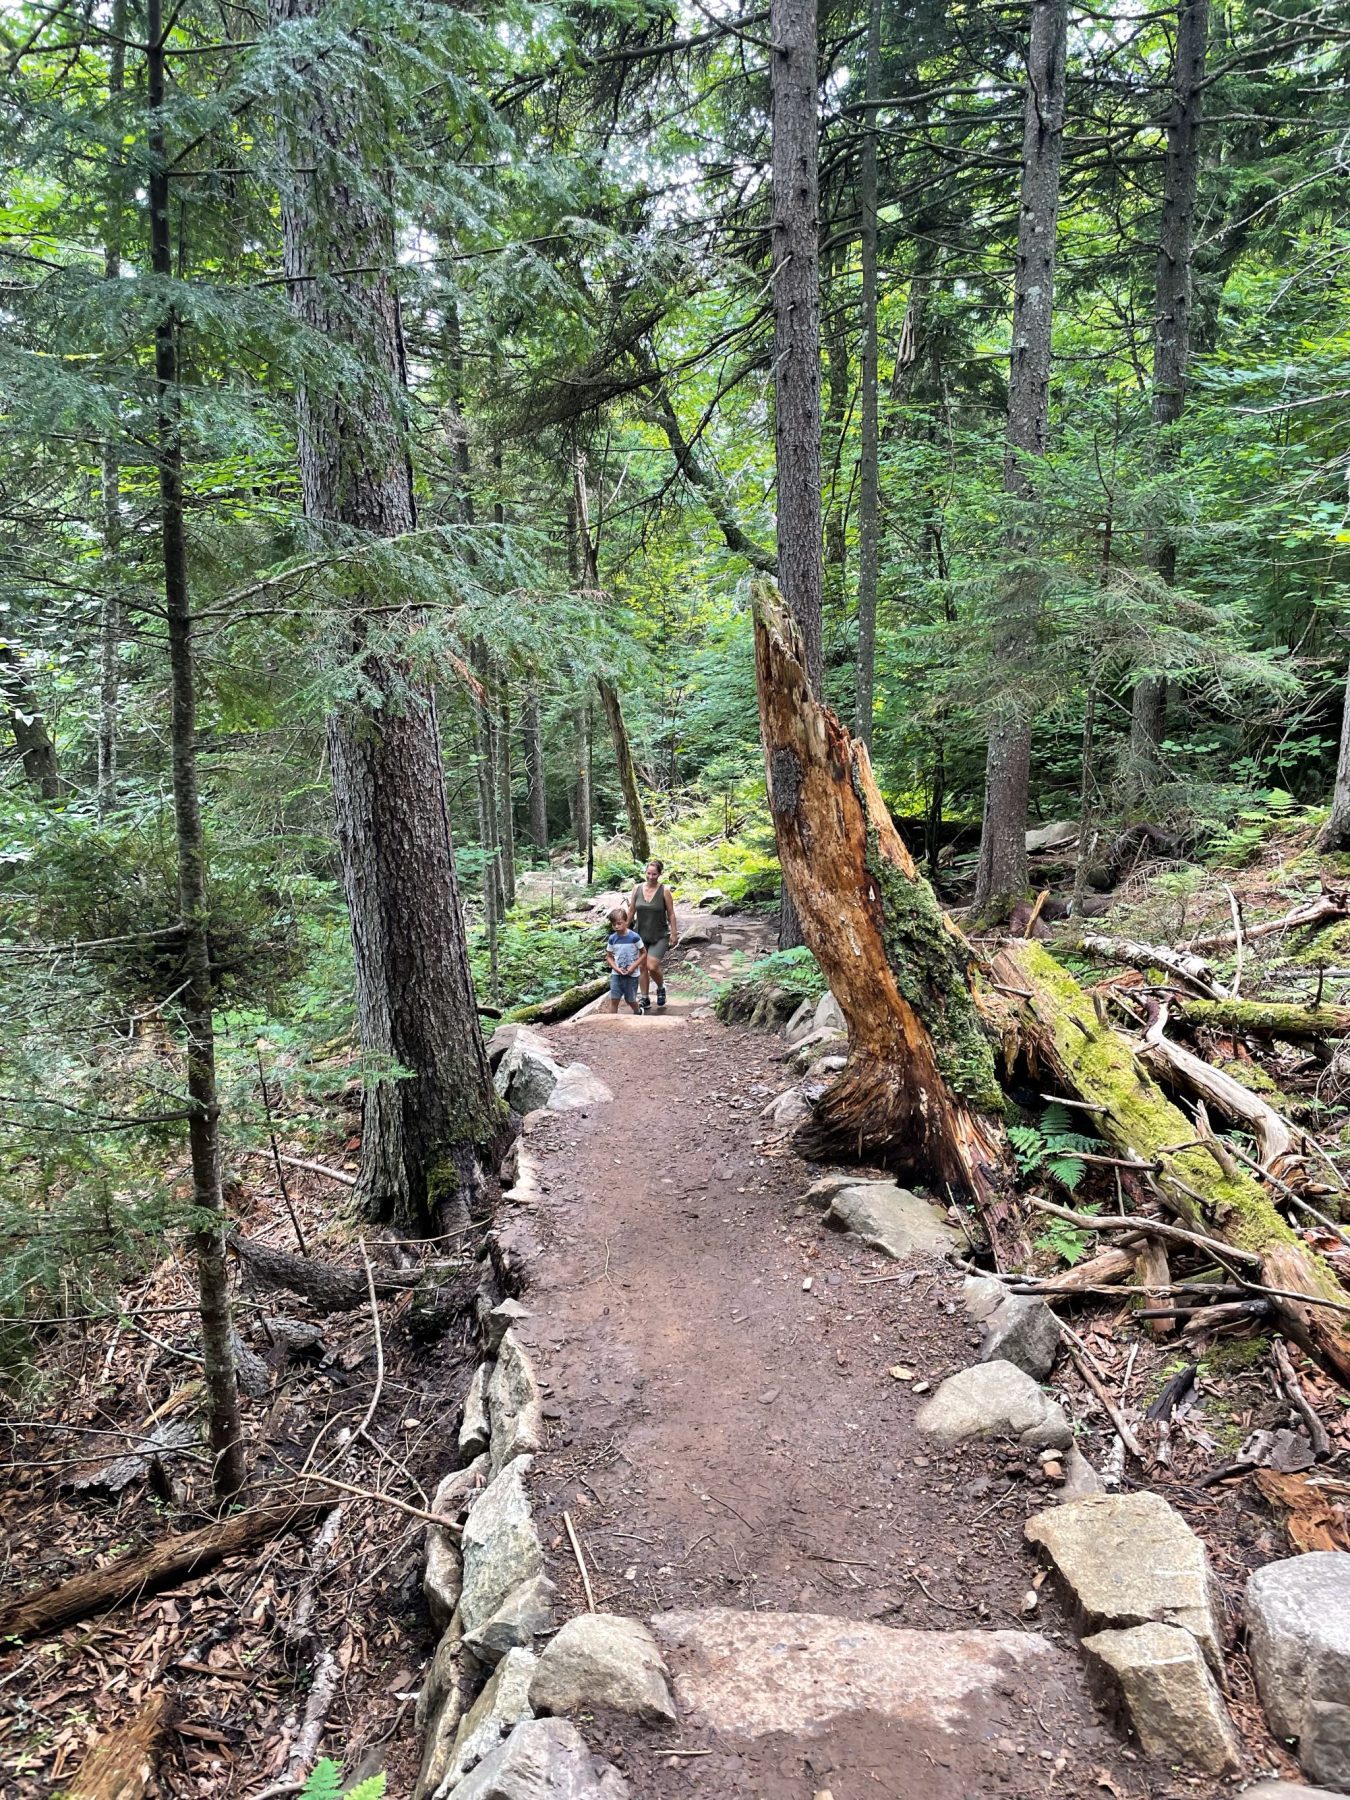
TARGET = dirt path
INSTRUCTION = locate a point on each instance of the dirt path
(725, 1431)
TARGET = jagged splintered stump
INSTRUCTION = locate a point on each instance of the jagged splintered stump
(1062, 1039)
(919, 1093)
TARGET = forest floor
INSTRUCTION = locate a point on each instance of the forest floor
(724, 1431)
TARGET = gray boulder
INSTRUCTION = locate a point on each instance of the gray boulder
(502, 1555)
(527, 1074)
(442, 1571)
(829, 1015)
(1288, 1790)
(1298, 1637)
(525, 1614)
(1131, 1559)
(786, 1111)
(502, 1705)
(438, 1712)
(892, 1220)
(475, 1429)
(501, 1319)
(1160, 1676)
(802, 1023)
(712, 898)
(543, 1759)
(601, 1659)
(994, 1399)
(982, 1295)
(514, 1406)
(1080, 1478)
(1022, 1330)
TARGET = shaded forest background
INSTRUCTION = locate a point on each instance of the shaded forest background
(562, 373)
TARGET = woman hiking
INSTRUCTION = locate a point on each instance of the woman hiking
(652, 910)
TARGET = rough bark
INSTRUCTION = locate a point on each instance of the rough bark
(32, 740)
(121, 1764)
(110, 608)
(919, 1091)
(1336, 835)
(506, 818)
(869, 489)
(1001, 878)
(638, 834)
(328, 1289)
(581, 783)
(1172, 334)
(609, 694)
(533, 735)
(218, 1367)
(431, 1141)
(795, 104)
(486, 787)
(1062, 1038)
(173, 1559)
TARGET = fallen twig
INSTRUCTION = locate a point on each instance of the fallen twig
(575, 1542)
(1081, 1358)
(1148, 1227)
(1299, 1400)
(315, 1168)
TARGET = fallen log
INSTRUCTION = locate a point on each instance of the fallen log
(1061, 1034)
(1097, 1271)
(329, 1289)
(172, 1559)
(919, 1093)
(561, 1006)
(1268, 1018)
(1193, 970)
(1322, 910)
(122, 1762)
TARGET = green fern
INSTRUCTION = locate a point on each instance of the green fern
(325, 1783)
(1053, 1148)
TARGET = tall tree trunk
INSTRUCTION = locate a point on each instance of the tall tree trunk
(110, 610)
(623, 750)
(1172, 334)
(505, 794)
(795, 105)
(432, 1141)
(581, 783)
(485, 780)
(1337, 833)
(226, 1436)
(1001, 878)
(533, 734)
(869, 489)
(919, 1092)
(32, 740)
(835, 437)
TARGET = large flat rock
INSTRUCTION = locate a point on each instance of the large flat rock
(1131, 1559)
(749, 1674)
(892, 1219)
(1298, 1635)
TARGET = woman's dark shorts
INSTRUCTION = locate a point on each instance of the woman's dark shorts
(659, 951)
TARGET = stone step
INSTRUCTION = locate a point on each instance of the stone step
(749, 1674)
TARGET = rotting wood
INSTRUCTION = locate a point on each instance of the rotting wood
(172, 1559)
(1267, 1018)
(1152, 1271)
(121, 1764)
(1061, 1035)
(329, 1289)
(1193, 970)
(560, 1006)
(919, 1092)
(1097, 1271)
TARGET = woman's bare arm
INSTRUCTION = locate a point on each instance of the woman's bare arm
(670, 918)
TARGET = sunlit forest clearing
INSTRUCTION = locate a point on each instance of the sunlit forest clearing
(632, 612)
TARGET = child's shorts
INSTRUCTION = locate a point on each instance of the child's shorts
(623, 987)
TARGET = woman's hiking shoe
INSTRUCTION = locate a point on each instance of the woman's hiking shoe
(661, 995)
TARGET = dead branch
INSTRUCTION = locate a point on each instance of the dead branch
(327, 1288)
(1299, 1401)
(1193, 970)
(306, 1746)
(1082, 1361)
(1145, 1227)
(303, 1162)
(1320, 911)
(172, 1559)
(1268, 1018)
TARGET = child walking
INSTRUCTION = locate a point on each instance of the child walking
(623, 954)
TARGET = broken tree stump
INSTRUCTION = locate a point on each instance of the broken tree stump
(121, 1763)
(919, 1092)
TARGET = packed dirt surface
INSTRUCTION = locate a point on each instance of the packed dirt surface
(731, 1394)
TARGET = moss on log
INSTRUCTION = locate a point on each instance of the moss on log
(1062, 1036)
(560, 1006)
(1269, 1018)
